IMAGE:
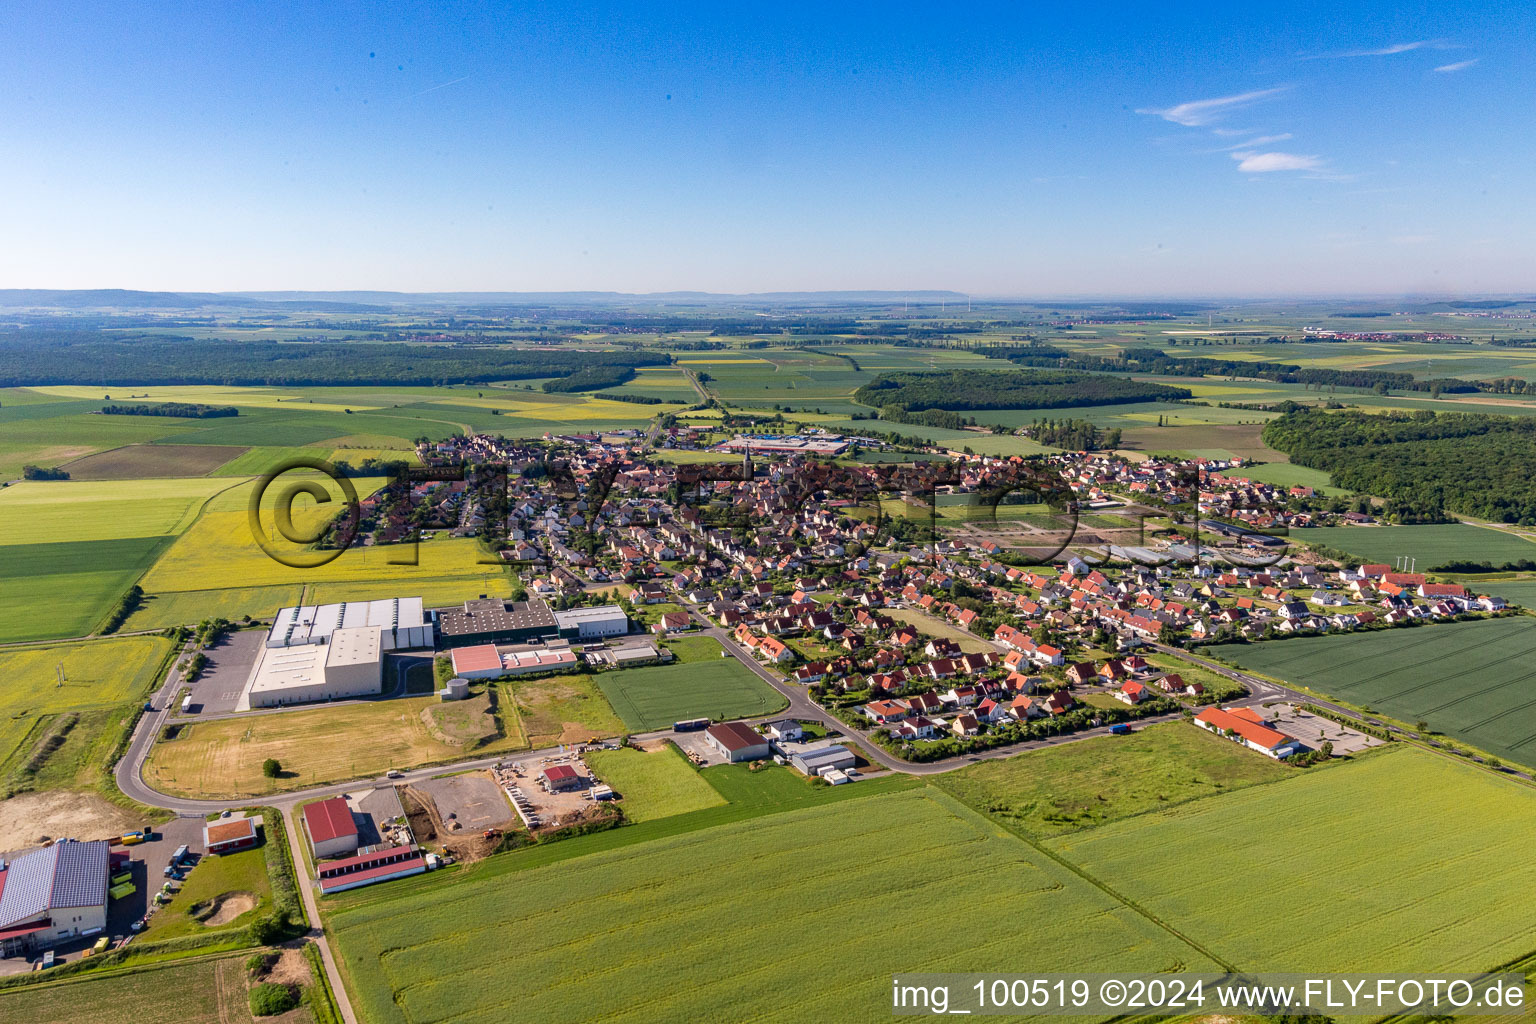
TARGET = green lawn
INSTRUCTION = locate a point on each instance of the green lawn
(656, 696)
(653, 784)
(208, 991)
(649, 914)
(1469, 680)
(228, 876)
(1091, 782)
(1431, 545)
(1401, 859)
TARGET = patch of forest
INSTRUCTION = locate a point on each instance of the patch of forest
(1422, 463)
(84, 357)
(1007, 389)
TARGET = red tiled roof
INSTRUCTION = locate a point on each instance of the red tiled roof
(560, 771)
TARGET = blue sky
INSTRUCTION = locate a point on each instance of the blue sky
(1010, 150)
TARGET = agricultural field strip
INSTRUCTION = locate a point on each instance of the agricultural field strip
(1455, 850)
(446, 995)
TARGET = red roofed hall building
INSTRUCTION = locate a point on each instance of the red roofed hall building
(1247, 727)
(737, 742)
(332, 832)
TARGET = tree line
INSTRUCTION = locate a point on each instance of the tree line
(186, 410)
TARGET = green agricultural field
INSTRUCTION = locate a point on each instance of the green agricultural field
(69, 550)
(648, 915)
(1468, 680)
(106, 676)
(203, 992)
(179, 608)
(653, 784)
(1430, 545)
(1081, 785)
(218, 552)
(1286, 475)
(658, 695)
(1348, 867)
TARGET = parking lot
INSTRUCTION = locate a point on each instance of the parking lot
(229, 666)
(1314, 730)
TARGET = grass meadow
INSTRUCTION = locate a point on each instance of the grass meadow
(1468, 680)
(565, 708)
(649, 914)
(103, 680)
(221, 758)
(653, 784)
(1402, 859)
(1090, 783)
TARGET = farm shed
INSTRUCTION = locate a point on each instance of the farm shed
(229, 835)
(737, 742)
(332, 832)
(824, 759)
(368, 868)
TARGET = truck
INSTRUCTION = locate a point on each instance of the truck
(691, 725)
(130, 839)
(1120, 730)
(179, 856)
(186, 704)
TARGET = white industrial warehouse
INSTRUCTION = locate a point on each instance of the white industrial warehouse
(402, 622)
(349, 663)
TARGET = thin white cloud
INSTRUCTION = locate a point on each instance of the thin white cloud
(1460, 65)
(1262, 140)
(1198, 113)
(1250, 162)
(1385, 51)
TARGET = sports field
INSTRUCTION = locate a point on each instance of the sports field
(98, 675)
(1403, 859)
(223, 757)
(1431, 545)
(653, 784)
(1468, 680)
(656, 696)
(649, 914)
(1081, 785)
